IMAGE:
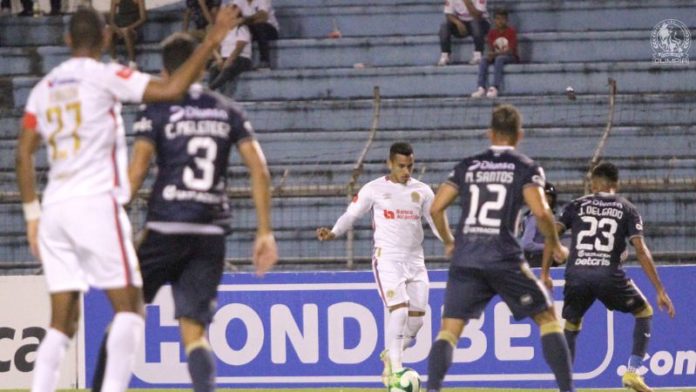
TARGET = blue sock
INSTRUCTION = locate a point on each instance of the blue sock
(634, 362)
(201, 366)
(439, 361)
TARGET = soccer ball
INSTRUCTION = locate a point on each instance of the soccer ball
(405, 380)
(501, 44)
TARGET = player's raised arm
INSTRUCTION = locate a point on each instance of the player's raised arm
(28, 141)
(646, 261)
(265, 248)
(446, 193)
(174, 87)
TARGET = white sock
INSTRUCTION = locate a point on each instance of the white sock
(395, 337)
(124, 339)
(48, 359)
(413, 325)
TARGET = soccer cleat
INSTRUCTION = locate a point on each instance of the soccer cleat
(387, 372)
(635, 381)
(444, 59)
(492, 92)
(480, 92)
(475, 58)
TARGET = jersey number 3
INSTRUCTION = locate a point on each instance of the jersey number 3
(201, 179)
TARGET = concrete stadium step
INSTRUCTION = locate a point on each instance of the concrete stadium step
(586, 47)
(306, 118)
(452, 81)
(308, 20)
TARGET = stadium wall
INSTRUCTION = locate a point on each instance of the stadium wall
(326, 329)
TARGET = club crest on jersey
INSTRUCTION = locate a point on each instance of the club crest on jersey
(390, 294)
(415, 197)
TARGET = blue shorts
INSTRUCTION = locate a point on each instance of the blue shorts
(192, 263)
(470, 289)
(615, 291)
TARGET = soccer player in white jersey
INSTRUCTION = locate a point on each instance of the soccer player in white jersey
(82, 236)
(398, 204)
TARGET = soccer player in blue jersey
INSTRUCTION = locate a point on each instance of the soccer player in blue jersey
(486, 258)
(600, 225)
(188, 213)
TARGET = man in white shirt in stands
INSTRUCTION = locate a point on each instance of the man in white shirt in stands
(235, 52)
(260, 17)
(398, 204)
(463, 18)
(83, 236)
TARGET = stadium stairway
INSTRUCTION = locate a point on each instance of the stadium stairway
(315, 95)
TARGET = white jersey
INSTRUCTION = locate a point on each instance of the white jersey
(229, 44)
(397, 213)
(249, 8)
(77, 110)
(458, 9)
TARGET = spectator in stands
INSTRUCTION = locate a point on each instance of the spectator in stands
(502, 49)
(125, 18)
(55, 8)
(260, 17)
(27, 8)
(5, 7)
(463, 18)
(235, 58)
(202, 13)
(532, 240)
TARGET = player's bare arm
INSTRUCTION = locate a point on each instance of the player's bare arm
(446, 194)
(175, 86)
(536, 201)
(143, 151)
(265, 248)
(646, 261)
(546, 260)
(29, 141)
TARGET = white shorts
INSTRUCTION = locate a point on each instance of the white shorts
(401, 279)
(87, 242)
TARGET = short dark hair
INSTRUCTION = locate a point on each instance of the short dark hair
(501, 11)
(506, 120)
(176, 49)
(86, 28)
(607, 171)
(401, 148)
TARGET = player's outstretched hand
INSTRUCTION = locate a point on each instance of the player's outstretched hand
(228, 17)
(33, 237)
(665, 303)
(560, 254)
(265, 253)
(325, 234)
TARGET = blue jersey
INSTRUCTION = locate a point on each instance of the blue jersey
(192, 140)
(600, 225)
(490, 194)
